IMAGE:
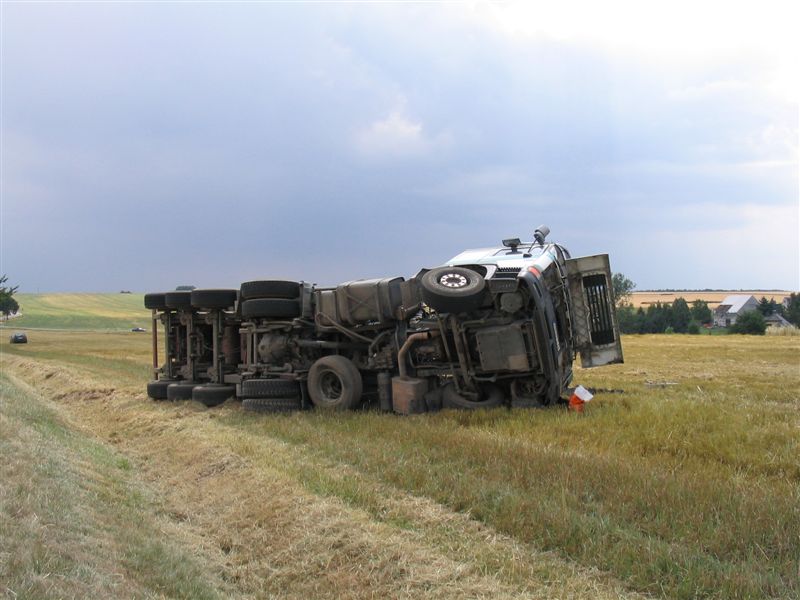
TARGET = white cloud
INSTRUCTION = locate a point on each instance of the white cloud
(682, 32)
(397, 136)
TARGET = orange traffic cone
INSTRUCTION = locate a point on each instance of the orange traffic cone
(579, 397)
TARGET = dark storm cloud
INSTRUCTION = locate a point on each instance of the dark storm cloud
(150, 145)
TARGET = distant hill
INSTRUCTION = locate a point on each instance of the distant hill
(81, 311)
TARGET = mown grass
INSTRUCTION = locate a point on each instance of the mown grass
(661, 526)
(118, 357)
(73, 521)
(240, 496)
(81, 311)
(685, 491)
(681, 479)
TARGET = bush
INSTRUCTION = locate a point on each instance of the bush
(751, 322)
(693, 328)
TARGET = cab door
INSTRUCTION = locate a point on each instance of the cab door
(594, 322)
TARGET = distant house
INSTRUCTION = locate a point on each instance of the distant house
(726, 313)
(777, 321)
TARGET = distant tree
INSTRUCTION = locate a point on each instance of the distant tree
(764, 307)
(680, 316)
(792, 312)
(657, 318)
(694, 328)
(8, 304)
(751, 322)
(641, 320)
(622, 287)
(701, 313)
(627, 319)
(6, 290)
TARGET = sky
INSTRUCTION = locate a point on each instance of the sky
(149, 145)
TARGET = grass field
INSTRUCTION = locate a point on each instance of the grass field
(680, 491)
(81, 311)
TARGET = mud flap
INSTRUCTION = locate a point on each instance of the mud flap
(594, 323)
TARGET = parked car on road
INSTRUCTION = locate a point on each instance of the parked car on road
(19, 338)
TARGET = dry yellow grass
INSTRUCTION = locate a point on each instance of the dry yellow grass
(245, 506)
(686, 490)
(712, 298)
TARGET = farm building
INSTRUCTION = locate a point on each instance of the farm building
(777, 321)
(731, 307)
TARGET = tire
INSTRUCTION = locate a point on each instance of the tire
(213, 394)
(181, 390)
(270, 308)
(452, 289)
(270, 388)
(271, 405)
(157, 389)
(213, 299)
(157, 301)
(178, 299)
(289, 290)
(334, 383)
(493, 397)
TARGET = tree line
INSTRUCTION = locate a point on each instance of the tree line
(680, 317)
(677, 317)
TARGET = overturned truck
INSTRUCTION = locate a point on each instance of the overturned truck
(493, 326)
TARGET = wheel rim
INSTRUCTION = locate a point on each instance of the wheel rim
(331, 386)
(453, 280)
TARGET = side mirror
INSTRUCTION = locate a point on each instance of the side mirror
(512, 243)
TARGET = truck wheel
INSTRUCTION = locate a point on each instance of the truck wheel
(213, 299)
(181, 390)
(157, 389)
(213, 394)
(178, 299)
(157, 301)
(271, 308)
(270, 289)
(271, 405)
(270, 388)
(452, 289)
(334, 383)
(492, 397)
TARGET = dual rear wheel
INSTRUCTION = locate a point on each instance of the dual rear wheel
(334, 384)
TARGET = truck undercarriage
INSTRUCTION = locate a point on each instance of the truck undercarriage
(492, 327)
